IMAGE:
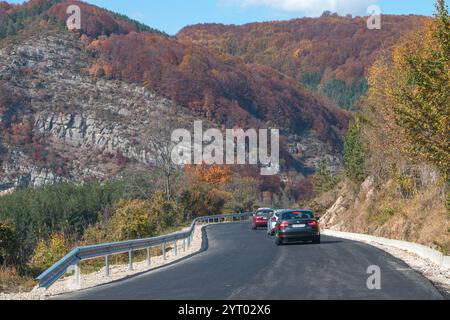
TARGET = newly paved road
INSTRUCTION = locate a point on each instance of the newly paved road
(243, 264)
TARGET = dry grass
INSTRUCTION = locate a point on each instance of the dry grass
(11, 281)
(385, 211)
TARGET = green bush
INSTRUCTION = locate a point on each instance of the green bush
(8, 243)
(323, 180)
(49, 252)
(345, 95)
(354, 154)
(131, 220)
(38, 213)
(243, 196)
(311, 80)
(406, 185)
(384, 213)
(135, 219)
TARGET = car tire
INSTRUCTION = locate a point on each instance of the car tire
(254, 227)
(278, 241)
(316, 241)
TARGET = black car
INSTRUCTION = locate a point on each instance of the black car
(297, 225)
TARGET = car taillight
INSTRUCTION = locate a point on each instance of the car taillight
(284, 225)
(313, 223)
(274, 219)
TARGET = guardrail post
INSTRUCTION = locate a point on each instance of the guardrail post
(184, 245)
(149, 257)
(164, 250)
(130, 260)
(175, 247)
(189, 241)
(77, 275)
(107, 266)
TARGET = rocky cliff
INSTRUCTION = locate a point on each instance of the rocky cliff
(94, 126)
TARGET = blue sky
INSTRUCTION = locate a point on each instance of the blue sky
(171, 15)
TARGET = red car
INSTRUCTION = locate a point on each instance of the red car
(261, 217)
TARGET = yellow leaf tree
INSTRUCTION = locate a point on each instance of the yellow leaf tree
(410, 88)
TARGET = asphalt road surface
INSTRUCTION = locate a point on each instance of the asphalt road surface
(239, 263)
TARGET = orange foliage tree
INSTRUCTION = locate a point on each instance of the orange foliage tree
(214, 174)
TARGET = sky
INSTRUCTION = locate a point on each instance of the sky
(172, 15)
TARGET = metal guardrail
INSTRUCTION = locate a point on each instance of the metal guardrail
(55, 272)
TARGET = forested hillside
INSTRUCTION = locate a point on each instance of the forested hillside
(396, 153)
(222, 88)
(96, 21)
(217, 86)
(330, 54)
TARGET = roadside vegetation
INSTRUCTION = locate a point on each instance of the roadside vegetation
(39, 226)
(396, 153)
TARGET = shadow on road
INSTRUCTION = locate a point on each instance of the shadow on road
(311, 244)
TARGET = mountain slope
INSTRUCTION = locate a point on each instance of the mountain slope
(76, 105)
(222, 88)
(217, 86)
(330, 53)
(58, 123)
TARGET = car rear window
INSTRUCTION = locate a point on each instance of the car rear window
(297, 215)
(264, 213)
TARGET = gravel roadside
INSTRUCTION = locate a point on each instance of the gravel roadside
(439, 276)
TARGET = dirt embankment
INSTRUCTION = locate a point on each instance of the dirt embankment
(384, 209)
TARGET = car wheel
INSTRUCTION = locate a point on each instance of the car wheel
(278, 241)
(254, 227)
(317, 240)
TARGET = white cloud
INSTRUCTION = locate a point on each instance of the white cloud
(310, 7)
